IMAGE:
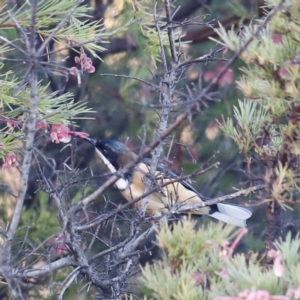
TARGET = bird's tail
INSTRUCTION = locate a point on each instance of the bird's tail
(230, 213)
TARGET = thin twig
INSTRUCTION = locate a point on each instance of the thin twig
(71, 277)
(221, 199)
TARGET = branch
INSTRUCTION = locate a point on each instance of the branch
(199, 36)
(193, 207)
(168, 84)
(58, 264)
(189, 8)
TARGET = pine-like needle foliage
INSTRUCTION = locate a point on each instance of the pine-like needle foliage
(61, 23)
(265, 125)
(199, 264)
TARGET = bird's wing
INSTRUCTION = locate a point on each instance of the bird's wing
(225, 212)
(167, 173)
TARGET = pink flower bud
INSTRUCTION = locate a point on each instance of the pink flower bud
(73, 71)
(278, 266)
(277, 40)
(225, 80)
(262, 295)
(198, 278)
(12, 123)
(224, 273)
(9, 160)
(91, 69)
(251, 296)
(244, 293)
(272, 253)
(297, 294)
(58, 245)
(41, 125)
(70, 41)
(290, 293)
(208, 76)
(60, 133)
(283, 71)
(64, 137)
(77, 59)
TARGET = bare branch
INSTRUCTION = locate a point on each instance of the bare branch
(222, 198)
(49, 268)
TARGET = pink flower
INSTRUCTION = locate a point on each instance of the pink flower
(297, 294)
(293, 293)
(12, 123)
(224, 273)
(60, 133)
(41, 125)
(227, 298)
(277, 40)
(278, 266)
(91, 69)
(254, 295)
(73, 71)
(244, 293)
(63, 134)
(262, 295)
(272, 253)
(58, 245)
(283, 71)
(198, 278)
(225, 80)
(85, 62)
(77, 59)
(70, 41)
(9, 160)
(208, 76)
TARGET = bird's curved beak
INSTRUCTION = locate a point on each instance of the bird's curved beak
(93, 142)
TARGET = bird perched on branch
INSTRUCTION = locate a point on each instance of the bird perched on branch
(167, 191)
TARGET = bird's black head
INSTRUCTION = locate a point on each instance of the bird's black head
(114, 151)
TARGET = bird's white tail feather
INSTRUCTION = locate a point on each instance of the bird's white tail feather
(234, 211)
(228, 219)
(232, 214)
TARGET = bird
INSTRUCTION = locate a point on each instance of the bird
(116, 155)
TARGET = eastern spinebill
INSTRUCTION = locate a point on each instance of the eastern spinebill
(115, 155)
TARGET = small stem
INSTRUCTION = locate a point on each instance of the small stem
(273, 227)
(170, 31)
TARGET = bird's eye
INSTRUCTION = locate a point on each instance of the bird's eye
(104, 151)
